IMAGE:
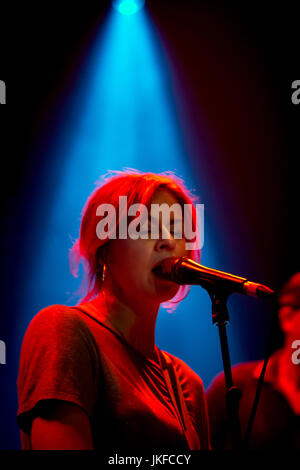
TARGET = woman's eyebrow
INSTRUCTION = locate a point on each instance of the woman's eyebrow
(172, 219)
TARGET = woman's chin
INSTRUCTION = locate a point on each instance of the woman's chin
(166, 291)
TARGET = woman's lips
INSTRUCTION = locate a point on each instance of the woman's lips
(157, 271)
(161, 261)
(156, 268)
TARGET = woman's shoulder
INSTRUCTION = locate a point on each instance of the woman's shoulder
(56, 312)
(57, 328)
(57, 319)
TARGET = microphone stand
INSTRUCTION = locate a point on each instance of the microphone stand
(220, 317)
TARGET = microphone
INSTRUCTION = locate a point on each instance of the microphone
(186, 271)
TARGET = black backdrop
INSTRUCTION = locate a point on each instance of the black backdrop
(235, 57)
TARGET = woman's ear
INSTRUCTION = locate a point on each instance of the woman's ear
(102, 254)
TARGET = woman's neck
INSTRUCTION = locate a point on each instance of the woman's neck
(135, 323)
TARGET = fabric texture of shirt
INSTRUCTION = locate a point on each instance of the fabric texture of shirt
(68, 354)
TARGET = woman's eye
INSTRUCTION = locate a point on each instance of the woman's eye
(177, 231)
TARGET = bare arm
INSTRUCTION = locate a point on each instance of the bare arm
(65, 427)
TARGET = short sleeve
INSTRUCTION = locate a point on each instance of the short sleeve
(216, 400)
(58, 361)
(202, 416)
(196, 403)
(195, 399)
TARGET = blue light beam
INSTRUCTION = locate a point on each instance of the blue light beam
(128, 7)
(122, 114)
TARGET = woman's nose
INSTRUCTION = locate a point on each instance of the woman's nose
(168, 244)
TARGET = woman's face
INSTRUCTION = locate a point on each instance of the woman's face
(130, 262)
(289, 315)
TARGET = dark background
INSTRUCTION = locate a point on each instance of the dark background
(239, 62)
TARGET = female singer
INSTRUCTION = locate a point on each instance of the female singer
(91, 375)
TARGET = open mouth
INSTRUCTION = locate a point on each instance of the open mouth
(158, 271)
(157, 268)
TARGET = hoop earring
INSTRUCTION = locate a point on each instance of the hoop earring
(103, 272)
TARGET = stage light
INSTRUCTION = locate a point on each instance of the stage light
(128, 7)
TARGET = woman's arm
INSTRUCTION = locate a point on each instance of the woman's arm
(64, 427)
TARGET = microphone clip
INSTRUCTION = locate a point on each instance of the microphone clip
(219, 297)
